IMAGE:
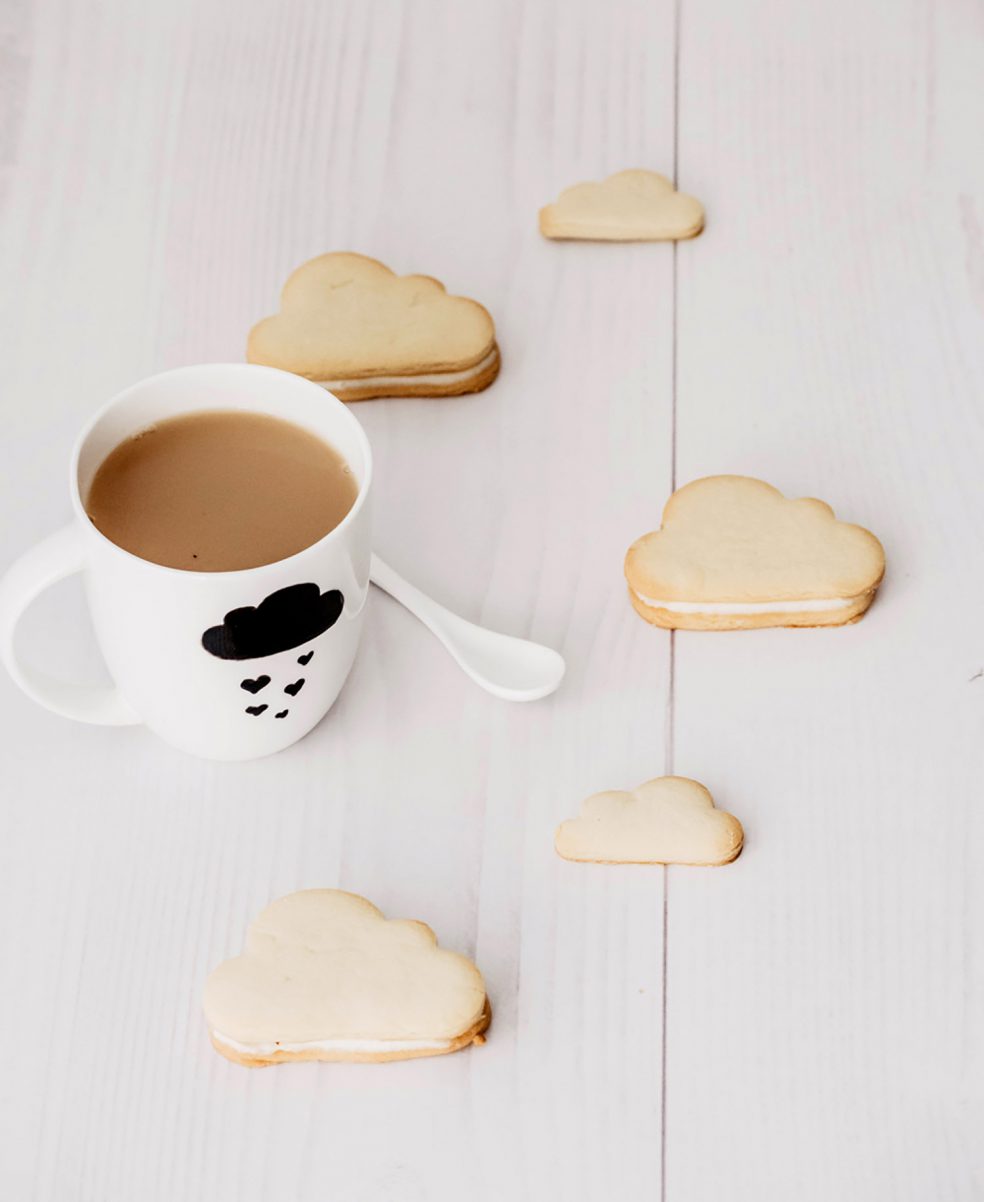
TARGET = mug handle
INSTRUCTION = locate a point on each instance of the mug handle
(58, 556)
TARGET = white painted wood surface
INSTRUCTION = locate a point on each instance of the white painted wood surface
(162, 167)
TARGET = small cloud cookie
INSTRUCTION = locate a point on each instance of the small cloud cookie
(670, 820)
(630, 206)
(325, 976)
(350, 324)
(733, 553)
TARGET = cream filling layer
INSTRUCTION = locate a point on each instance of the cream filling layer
(437, 377)
(373, 1047)
(809, 605)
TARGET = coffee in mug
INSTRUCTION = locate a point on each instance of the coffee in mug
(220, 490)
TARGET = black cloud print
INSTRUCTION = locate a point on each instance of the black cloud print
(287, 618)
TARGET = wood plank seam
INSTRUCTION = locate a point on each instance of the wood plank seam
(670, 711)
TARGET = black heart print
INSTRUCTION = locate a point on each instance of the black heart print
(254, 686)
(295, 688)
(256, 710)
(304, 660)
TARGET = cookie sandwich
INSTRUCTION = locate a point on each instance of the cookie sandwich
(325, 976)
(350, 324)
(733, 553)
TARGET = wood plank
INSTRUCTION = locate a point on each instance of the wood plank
(825, 993)
(173, 165)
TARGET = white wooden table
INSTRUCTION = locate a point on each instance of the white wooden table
(806, 1024)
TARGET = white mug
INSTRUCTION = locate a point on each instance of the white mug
(225, 665)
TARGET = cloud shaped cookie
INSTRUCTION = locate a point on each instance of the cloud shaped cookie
(630, 206)
(348, 323)
(734, 553)
(670, 820)
(326, 977)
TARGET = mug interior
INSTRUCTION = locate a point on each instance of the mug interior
(243, 386)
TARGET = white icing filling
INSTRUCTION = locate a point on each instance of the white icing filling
(372, 1047)
(441, 377)
(810, 605)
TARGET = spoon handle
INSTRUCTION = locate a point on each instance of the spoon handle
(390, 581)
(510, 668)
(441, 622)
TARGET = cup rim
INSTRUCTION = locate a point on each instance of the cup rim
(324, 397)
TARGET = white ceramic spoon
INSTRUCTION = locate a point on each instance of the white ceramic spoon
(514, 669)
